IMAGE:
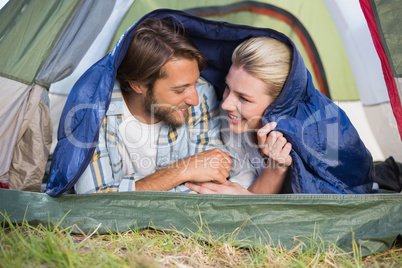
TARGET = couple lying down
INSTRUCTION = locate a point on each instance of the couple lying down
(163, 128)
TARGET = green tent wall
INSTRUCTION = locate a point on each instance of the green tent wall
(374, 221)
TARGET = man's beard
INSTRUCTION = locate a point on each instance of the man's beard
(164, 112)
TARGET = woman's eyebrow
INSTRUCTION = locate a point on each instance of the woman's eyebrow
(240, 93)
(245, 94)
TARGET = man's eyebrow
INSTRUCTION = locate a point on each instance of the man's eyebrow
(180, 86)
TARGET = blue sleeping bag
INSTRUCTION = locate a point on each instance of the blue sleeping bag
(328, 154)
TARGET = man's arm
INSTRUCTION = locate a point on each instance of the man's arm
(212, 165)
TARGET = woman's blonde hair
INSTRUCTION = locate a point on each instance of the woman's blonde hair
(266, 59)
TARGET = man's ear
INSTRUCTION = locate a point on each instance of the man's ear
(138, 88)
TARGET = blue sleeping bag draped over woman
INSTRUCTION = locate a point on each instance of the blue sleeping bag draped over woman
(328, 154)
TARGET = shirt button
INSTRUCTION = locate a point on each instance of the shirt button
(112, 133)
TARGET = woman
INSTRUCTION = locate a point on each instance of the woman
(259, 98)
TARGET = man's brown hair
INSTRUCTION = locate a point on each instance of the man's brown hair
(155, 42)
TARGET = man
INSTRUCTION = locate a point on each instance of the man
(159, 130)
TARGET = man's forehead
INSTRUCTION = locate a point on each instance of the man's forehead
(180, 72)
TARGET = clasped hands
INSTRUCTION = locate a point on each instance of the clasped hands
(274, 146)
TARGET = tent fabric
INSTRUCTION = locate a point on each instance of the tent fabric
(75, 39)
(60, 89)
(362, 56)
(281, 15)
(33, 144)
(98, 47)
(387, 18)
(56, 36)
(12, 107)
(313, 16)
(373, 221)
(323, 162)
(26, 138)
(54, 39)
(22, 55)
(385, 38)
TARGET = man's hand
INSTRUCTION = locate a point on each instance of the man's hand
(212, 165)
(227, 187)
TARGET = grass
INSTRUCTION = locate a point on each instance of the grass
(25, 245)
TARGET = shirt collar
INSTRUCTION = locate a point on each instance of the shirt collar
(116, 102)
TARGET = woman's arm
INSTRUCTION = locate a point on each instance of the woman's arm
(270, 180)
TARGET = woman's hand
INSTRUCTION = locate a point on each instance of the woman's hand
(227, 187)
(275, 146)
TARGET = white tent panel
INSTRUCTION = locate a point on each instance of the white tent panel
(363, 58)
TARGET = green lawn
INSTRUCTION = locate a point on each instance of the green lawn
(44, 246)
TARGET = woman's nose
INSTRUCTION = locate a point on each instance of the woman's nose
(229, 102)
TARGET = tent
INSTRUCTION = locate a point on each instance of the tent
(60, 40)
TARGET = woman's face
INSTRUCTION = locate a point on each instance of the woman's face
(245, 99)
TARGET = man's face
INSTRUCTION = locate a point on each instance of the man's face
(173, 94)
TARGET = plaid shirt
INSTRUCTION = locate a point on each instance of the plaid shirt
(201, 133)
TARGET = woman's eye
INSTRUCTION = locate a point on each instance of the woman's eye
(244, 99)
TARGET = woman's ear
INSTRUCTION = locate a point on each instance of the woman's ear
(138, 88)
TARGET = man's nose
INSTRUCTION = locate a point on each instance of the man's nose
(192, 96)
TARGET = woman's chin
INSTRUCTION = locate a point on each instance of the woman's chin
(237, 129)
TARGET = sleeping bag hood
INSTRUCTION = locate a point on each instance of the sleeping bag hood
(328, 155)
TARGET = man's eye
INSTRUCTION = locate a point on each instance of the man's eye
(179, 91)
